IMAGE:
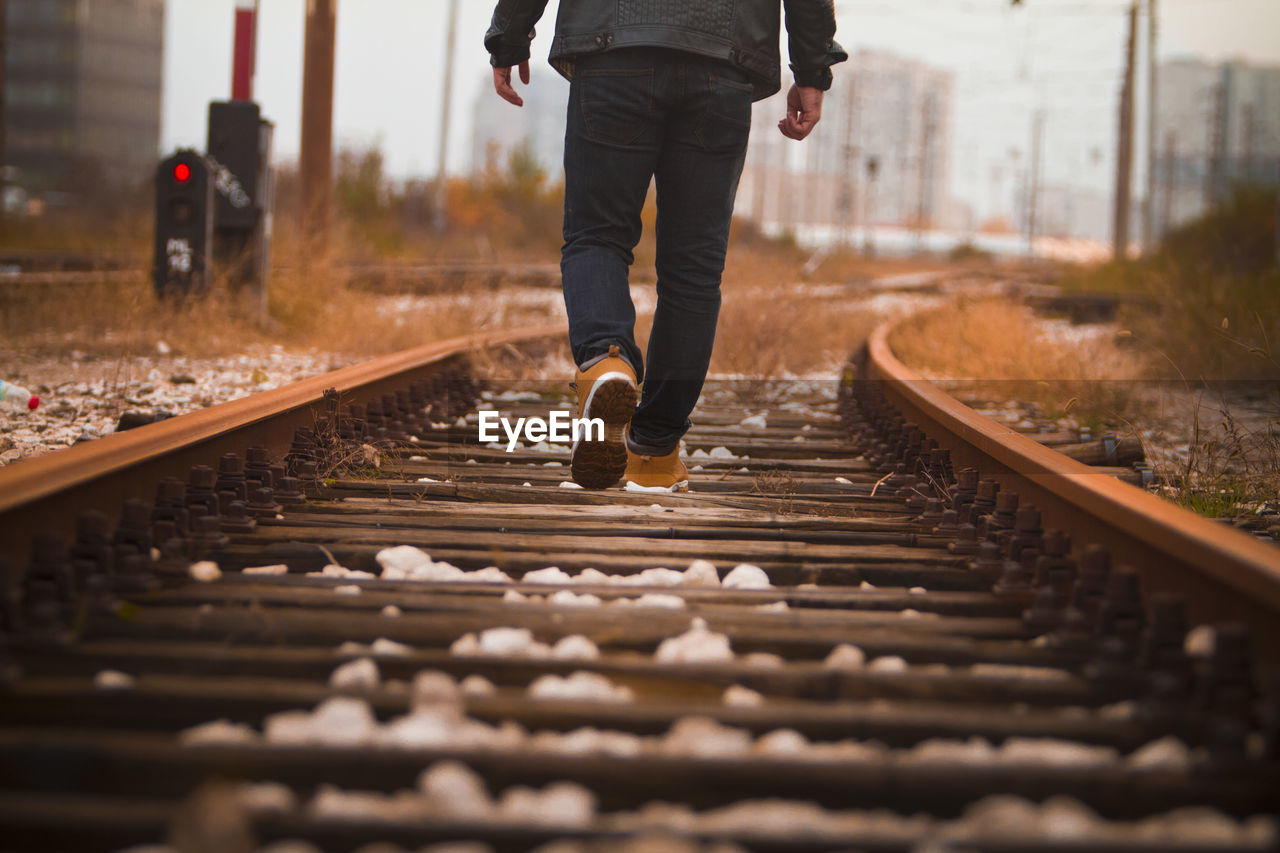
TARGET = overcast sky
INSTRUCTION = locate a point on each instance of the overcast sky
(1060, 55)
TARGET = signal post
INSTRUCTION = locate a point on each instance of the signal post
(184, 226)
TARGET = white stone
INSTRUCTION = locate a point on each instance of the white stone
(888, 663)
(592, 576)
(766, 660)
(218, 733)
(504, 641)
(580, 686)
(399, 562)
(455, 790)
(737, 696)
(657, 576)
(747, 576)
(467, 645)
(785, 742)
(110, 679)
(477, 685)
(389, 648)
(568, 598)
(266, 570)
(661, 600)
(1052, 752)
(697, 645)
(489, 574)
(358, 674)
(432, 687)
(565, 804)
(1200, 641)
(549, 575)
(703, 737)
(1167, 754)
(701, 573)
(575, 647)
(267, 798)
(845, 656)
(205, 571)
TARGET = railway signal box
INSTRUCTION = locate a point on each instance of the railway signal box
(239, 153)
(184, 225)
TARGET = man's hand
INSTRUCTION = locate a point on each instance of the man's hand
(804, 109)
(502, 83)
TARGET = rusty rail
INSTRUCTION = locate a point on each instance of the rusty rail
(46, 493)
(1221, 572)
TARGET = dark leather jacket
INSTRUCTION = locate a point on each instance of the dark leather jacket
(744, 32)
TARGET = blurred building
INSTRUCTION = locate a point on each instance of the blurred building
(880, 155)
(1071, 212)
(1216, 126)
(498, 128)
(82, 92)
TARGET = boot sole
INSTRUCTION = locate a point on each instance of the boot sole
(601, 464)
(682, 486)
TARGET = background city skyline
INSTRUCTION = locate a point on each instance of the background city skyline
(1061, 57)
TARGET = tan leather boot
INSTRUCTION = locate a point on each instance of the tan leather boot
(606, 390)
(656, 473)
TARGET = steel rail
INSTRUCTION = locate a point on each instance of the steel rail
(49, 491)
(1223, 574)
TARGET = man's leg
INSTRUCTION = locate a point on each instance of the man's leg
(612, 138)
(697, 179)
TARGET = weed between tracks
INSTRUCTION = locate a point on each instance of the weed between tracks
(1229, 469)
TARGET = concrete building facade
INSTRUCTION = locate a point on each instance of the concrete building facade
(82, 92)
(880, 156)
(1216, 126)
(498, 128)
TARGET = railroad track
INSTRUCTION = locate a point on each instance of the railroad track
(844, 638)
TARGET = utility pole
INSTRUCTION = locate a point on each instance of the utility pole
(1124, 156)
(1216, 122)
(1170, 159)
(924, 180)
(1033, 182)
(446, 99)
(3, 64)
(759, 171)
(786, 197)
(847, 168)
(1249, 118)
(1149, 209)
(316, 156)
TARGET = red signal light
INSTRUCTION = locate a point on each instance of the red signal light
(182, 173)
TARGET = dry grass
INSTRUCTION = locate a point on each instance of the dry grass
(1214, 284)
(779, 330)
(310, 306)
(997, 348)
(1230, 470)
(771, 326)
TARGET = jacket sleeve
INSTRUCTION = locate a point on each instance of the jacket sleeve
(511, 31)
(811, 30)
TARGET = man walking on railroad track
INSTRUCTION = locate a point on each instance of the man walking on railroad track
(661, 90)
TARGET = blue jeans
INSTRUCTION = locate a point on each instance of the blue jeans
(680, 119)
